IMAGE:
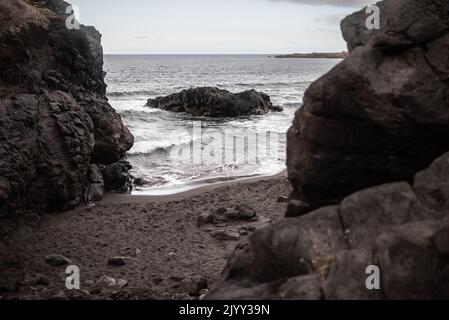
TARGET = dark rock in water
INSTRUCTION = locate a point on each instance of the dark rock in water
(380, 115)
(214, 102)
(55, 121)
(140, 182)
(56, 260)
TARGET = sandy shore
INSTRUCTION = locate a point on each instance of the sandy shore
(167, 255)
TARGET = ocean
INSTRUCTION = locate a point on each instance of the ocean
(162, 138)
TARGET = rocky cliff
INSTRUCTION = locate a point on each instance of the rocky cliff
(57, 130)
(379, 116)
(382, 114)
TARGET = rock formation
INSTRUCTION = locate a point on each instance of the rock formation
(382, 114)
(214, 102)
(56, 126)
(379, 116)
(400, 228)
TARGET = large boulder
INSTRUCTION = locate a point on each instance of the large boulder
(56, 125)
(385, 226)
(379, 116)
(214, 102)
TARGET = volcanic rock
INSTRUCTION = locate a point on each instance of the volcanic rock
(55, 121)
(214, 102)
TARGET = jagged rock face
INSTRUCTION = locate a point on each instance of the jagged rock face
(55, 121)
(214, 102)
(382, 114)
(400, 228)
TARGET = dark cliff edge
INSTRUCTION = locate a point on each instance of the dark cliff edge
(58, 134)
(375, 123)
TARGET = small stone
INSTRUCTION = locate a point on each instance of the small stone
(121, 283)
(232, 215)
(172, 255)
(118, 261)
(246, 212)
(219, 215)
(57, 260)
(202, 284)
(107, 281)
(204, 218)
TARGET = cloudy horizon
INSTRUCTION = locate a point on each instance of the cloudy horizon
(218, 27)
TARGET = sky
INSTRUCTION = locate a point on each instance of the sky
(218, 26)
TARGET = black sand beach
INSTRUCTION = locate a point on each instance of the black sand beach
(167, 255)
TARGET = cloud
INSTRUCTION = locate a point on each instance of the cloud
(335, 3)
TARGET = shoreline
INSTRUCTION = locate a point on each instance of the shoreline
(186, 191)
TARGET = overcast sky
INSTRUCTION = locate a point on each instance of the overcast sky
(218, 26)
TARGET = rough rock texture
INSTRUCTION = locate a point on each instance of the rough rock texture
(379, 116)
(329, 249)
(382, 114)
(56, 125)
(214, 102)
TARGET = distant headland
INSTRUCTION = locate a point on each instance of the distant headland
(327, 55)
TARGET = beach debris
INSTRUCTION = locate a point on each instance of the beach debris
(282, 200)
(57, 260)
